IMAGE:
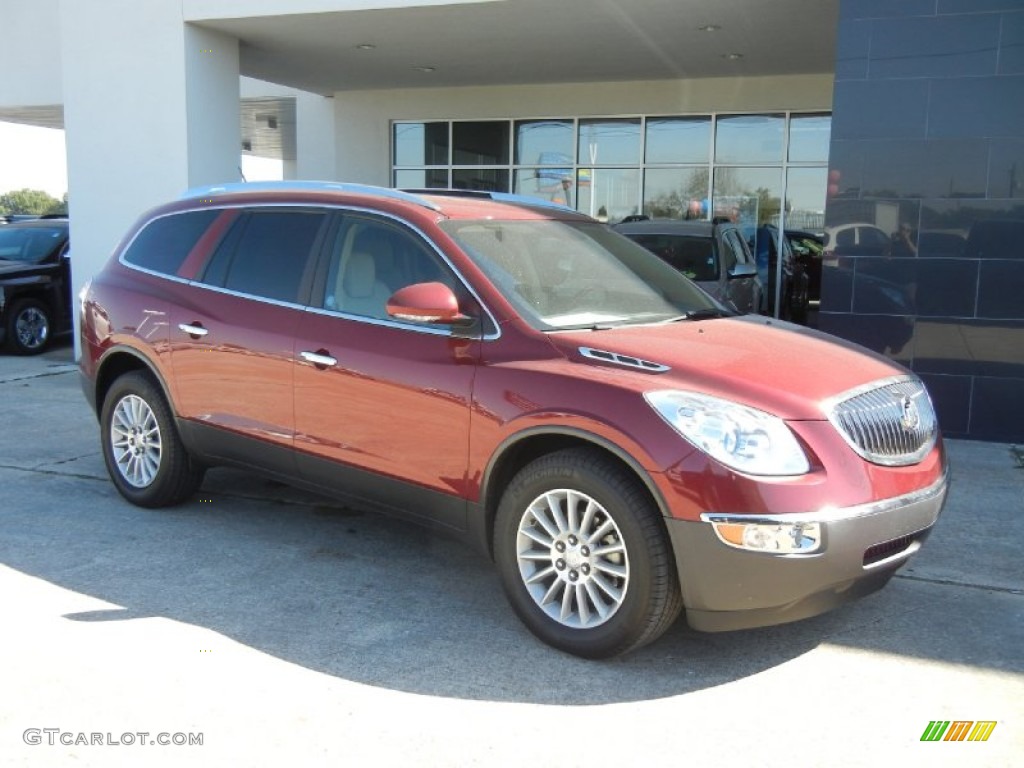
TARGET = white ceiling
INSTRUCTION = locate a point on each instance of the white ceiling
(536, 41)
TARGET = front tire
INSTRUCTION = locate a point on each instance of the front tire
(145, 457)
(583, 556)
(29, 326)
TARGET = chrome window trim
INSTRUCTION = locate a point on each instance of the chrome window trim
(333, 207)
(432, 330)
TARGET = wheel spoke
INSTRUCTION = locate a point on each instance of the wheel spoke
(551, 530)
(608, 549)
(605, 528)
(555, 507)
(581, 604)
(532, 533)
(566, 604)
(614, 570)
(540, 575)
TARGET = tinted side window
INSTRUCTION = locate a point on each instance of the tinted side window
(370, 260)
(693, 256)
(163, 243)
(732, 251)
(266, 254)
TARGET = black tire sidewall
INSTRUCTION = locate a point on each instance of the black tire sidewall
(631, 619)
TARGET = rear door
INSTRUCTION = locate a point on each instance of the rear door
(232, 330)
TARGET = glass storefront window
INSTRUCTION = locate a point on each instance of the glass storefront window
(544, 142)
(609, 142)
(809, 137)
(554, 184)
(678, 139)
(421, 143)
(747, 196)
(805, 198)
(421, 178)
(749, 139)
(486, 179)
(676, 193)
(608, 194)
(480, 143)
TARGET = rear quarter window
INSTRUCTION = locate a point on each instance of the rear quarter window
(162, 244)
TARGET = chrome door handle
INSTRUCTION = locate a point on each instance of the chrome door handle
(319, 360)
(192, 330)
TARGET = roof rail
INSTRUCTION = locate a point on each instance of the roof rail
(306, 186)
(500, 197)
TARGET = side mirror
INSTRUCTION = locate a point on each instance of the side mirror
(433, 303)
(743, 270)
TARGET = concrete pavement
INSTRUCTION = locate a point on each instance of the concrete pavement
(287, 630)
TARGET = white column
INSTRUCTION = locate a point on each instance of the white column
(314, 138)
(150, 109)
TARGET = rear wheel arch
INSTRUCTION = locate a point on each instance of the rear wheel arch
(118, 362)
(520, 449)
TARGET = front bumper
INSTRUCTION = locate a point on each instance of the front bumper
(725, 588)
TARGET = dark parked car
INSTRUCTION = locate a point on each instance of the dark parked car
(35, 284)
(523, 377)
(808, 249)
(795, 280)
(714, 256)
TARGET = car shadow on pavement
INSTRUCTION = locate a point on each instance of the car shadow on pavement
(358, 596)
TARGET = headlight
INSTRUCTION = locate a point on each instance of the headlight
(740, 437)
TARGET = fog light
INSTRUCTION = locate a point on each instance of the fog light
(768, 535)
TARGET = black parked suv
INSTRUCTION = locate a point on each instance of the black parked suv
(712, 254)
(35, 284)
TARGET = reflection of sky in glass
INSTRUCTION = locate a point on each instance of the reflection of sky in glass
(806, 189)
(421, 143)
(674, 140)
(809, 138)
(749, 139)
(541, 142)
(609, 141)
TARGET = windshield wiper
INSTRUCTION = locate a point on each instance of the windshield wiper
(708, 313)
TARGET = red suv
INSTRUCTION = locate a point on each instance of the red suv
(521, 376)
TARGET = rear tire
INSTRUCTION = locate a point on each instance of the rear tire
(145, 457)
(583, 556)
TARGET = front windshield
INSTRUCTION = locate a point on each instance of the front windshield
(29, 244)
(563, 275)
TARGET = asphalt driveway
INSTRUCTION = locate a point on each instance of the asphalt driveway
(285, 629)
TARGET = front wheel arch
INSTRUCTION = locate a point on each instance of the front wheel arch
(523, 447)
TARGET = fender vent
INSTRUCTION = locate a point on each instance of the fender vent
(623, 360)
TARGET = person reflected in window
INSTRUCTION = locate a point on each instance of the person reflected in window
(903, 241)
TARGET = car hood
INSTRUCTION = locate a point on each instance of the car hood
(775, 366)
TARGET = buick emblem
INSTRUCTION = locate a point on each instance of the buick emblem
(910, 418)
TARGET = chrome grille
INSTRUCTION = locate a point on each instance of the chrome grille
(890, 422)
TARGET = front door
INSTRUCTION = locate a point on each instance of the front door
(382, 408)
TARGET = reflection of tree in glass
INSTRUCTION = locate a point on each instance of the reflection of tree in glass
(673, 204)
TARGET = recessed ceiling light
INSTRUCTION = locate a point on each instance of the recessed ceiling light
(709, 28)
(366, 46)
(732, 56)
(425, 69)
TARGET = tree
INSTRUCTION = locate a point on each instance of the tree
(29, 201)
